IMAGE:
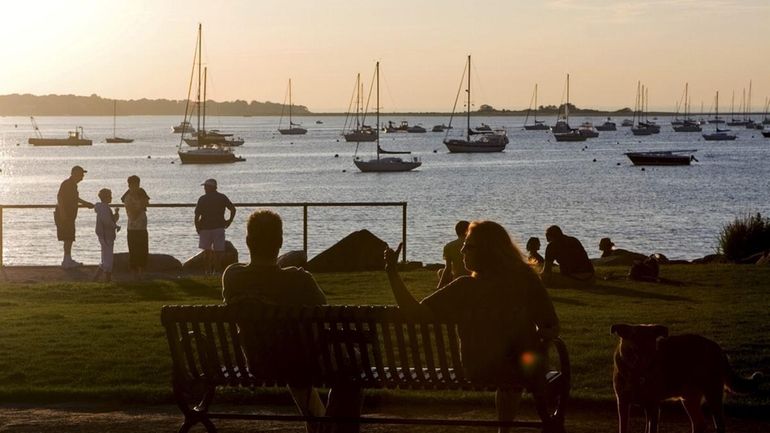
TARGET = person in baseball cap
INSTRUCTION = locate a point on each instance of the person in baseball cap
(210, 224)
(67, 202)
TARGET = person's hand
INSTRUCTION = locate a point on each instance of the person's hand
(391, 258)
(227, 224)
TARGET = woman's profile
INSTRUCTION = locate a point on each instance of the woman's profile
(510, 311)
(533, 246)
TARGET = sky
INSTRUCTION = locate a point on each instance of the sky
(133, 49)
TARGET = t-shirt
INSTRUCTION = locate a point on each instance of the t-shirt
(105, 224)
(136, 208)
(67, 199)
(455, 257)
(270, 285)
(569, 253)
(499, 322)
(211, 207)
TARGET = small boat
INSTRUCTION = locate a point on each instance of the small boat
(392, 127)
(587, 129)
(74, 138)
(718, 134)
(115, 138)
(485, 141)
(294, 128)
(766, 134)
(358, 131)
(318, 122)
(608, 125)
(537, 125)
(388, 164)
(686, 125)
(184, 127)
(627, 123)
(716, 120)
(213, 136)
(207, 152)
(662, 157)
(484, 128)
(416, 129)
(562, 132)
(440, 128)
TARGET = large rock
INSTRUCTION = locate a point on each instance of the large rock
(358, 251)
(155, 263)
(195, 263)
(292, 258)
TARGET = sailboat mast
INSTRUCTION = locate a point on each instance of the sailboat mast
(536, 103)
(716, 109)
(198, 96)
(205, 79)
(358, 101)
(377, 75)
(566, 107)
(290, 123)
(114, 114)
(468, 114)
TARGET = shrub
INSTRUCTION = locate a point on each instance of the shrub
(744, 237)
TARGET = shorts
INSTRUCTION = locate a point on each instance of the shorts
(212, 239)
(65, 229)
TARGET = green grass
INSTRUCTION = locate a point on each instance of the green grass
(95, 341)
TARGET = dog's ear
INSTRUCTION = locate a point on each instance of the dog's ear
(620, 329)
(660, 331)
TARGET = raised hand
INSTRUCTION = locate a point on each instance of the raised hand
(391, 257)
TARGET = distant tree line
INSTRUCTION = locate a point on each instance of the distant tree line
(94, 105)
(553, 109)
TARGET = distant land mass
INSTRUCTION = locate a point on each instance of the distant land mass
(94, 105)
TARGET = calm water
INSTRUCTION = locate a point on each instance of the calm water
(590, 189)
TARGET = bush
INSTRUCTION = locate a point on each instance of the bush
(744, 237)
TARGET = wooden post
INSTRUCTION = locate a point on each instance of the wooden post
(403, 232)
(1, 236)
(304, 228)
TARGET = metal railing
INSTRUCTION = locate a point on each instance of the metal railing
(305, 206)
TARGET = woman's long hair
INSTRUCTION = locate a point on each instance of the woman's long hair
(497, 254)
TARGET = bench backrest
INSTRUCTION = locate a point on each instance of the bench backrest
(375, 346)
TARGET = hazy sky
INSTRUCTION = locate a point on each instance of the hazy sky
(144, 49)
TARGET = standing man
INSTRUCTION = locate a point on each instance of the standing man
(575, 269)
(210, 224)
(67, 202)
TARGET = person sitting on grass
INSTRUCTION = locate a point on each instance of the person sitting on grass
(106, 229)
(510, 313)
(453, 259)
(533, 246)
(575, 269)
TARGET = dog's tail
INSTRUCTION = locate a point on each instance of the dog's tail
(738, 384)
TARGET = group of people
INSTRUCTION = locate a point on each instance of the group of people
(485, 275)
(210, 223)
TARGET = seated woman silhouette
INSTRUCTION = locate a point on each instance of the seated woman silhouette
(534, 258)
(511, 313)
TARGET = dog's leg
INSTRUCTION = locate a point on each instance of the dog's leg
(714, 398)
(624, 413)
(695, 412)
(652, 413)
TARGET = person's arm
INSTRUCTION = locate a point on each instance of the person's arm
(404, 298)
(446, 275)
(198, 216)
(85, 203)
(548, 261)
(231, 208)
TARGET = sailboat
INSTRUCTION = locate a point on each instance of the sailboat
(643, 127)
(484, 141)
(209, 150)
(294, 128)
(687, 125)
(562, 131)
(360, 131)
(538, 125)
(718, 134)
(115, 138)
(205, 136)
(388, 163)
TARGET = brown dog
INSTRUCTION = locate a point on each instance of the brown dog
(651, 367)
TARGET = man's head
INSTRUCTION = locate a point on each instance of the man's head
(133, 181)
(461, 228)
(77, 173)
(264, 234)
(210, 185)
(552, 233)
(605, 244)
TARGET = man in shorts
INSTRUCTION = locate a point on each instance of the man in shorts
(66, 212)
(210, 224)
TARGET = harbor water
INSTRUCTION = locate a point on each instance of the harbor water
(589, 188)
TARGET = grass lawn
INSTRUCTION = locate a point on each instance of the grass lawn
(94, 341)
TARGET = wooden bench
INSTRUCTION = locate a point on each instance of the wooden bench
(375, 347)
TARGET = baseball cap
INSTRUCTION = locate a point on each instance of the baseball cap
(77, 169)
(210, 182)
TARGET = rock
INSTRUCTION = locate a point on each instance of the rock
(711, 258)
(358, 251)
(195, 263)
(292, 258)
(155, 263)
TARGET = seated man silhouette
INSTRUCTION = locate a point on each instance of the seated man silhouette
(453, 258)
(575, 269)
(617, 256)
(262, 281)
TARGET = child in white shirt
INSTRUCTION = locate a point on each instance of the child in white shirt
(106, 230)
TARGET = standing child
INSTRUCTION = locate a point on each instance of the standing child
(106, 230)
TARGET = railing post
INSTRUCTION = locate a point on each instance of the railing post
(1, 236)
(403, 232)
(304, 228)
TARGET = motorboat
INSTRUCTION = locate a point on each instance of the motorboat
(184, 127)
(608, 125)
(417, 129)
(214, 136)
(662, 157)
(627, 123)
(209, 154)
(587, 129)
(74, 138)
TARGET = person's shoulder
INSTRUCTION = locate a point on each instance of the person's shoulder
(296, 271)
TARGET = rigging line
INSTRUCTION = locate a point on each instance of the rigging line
(350, 107)
(454, 107)
(561, 102)
(189, 91)
(368, 100)
(283, 107)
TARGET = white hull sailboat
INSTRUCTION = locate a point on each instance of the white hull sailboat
(538, 125)
(115, 138)
(206, 153)
(719, 134)
(294, 128)
(487, 141)
(386, 164)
